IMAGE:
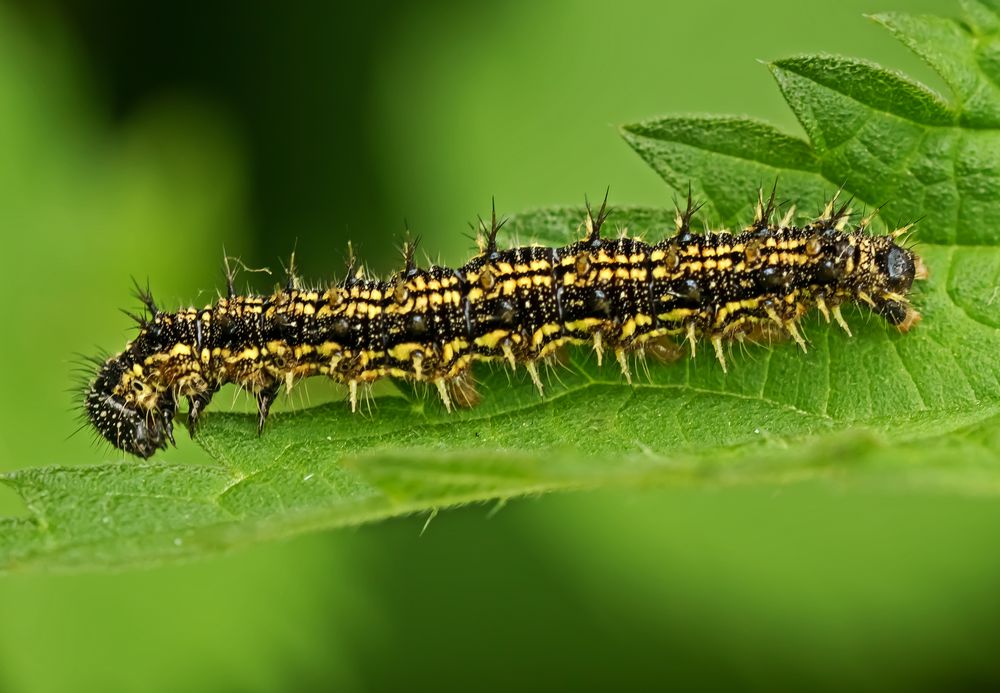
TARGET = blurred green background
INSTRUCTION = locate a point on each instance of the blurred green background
(139, 138)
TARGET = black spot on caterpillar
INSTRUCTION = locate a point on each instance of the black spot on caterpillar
(517, 305)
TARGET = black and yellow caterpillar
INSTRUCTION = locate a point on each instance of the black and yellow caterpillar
(516, 305)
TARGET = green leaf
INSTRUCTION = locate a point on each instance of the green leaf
(909, 157)
(880, 409)
(725, 159)
(965, 54)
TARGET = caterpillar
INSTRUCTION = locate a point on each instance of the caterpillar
(518, 305)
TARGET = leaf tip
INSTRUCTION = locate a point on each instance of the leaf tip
(887, 20)
(626, 129)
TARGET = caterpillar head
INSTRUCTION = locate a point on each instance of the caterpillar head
(890, 271)
(127, 412)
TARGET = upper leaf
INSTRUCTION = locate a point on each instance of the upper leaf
(890, 140)
(966, 55)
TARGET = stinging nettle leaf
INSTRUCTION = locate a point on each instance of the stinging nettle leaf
(881, 409)
(965, 54)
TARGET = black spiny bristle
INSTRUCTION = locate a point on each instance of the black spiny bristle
(145, 296)
(595, 223)
(139, 319)
(292, 279)
(350, 266)
(495, 226)
(409, 252)
(684, 218)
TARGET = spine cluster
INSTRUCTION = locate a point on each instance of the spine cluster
(518, 305)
